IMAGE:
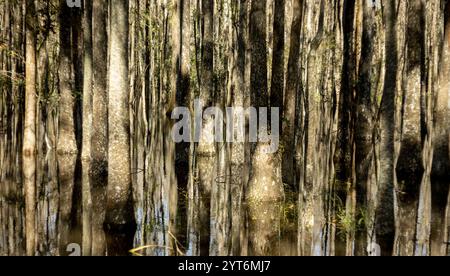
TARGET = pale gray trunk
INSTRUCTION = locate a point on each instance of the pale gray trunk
(206, 151)
(240, 95)
(319, 98)
(87, 128)
(429, 90)
(99, 135)
(169, 145)
(29, 140)
(220, 195)
(265, 193)
(409, 169)
(119, 178)
(368, 99)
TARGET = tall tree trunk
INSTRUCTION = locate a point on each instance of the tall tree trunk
(29, 140)
(47, 171)
(344, 158)
(384, 214)
(184, 150)
(66, 146)
(221, 201)
(240, 98)
(409, 169)
(139, 88)
(206, 150)
(99, 135)
(175, 85)
(290, 99)
(78, 57)
(429, 90)
(119, 210)
(370, 77)
(265, 189)
(318, 101)
(87, 128)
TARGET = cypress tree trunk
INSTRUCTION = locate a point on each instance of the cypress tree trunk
(29, 140)
(119, 210)
(175, 85)
(290, 100)
(318, 127)
(206, 150)
(87, 128)
(384, 214)
(99, 135)
(66, 146)
(370, 77)
(344, 158)
(428, 93)
(184, 152)
(240, 96)
(265, 192)
(409, 168)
